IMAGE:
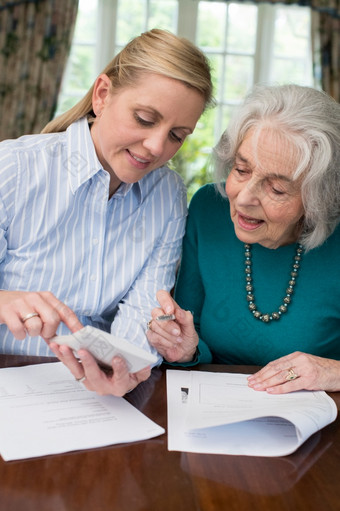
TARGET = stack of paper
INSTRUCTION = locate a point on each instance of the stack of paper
(44, 410)
(218, 413)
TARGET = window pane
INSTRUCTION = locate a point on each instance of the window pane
(242, 21)
(163, 14)
(288, 71)
(192, 161)
(216, 63)
(66, 102)
(80, 70)
(227, 111)
(146, 15)
(211, 25)
(131, 19)
(238, 76)
(86, 25)
(291, 31)
(291, 52)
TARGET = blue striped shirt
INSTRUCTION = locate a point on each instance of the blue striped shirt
(59, 232)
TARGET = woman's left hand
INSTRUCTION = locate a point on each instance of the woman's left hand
(297, 371)
(85, 369)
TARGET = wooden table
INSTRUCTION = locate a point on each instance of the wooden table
(144, 476)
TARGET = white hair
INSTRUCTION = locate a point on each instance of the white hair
(309, 121)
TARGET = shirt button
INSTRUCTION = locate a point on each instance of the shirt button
(95, 241)
(93, 277)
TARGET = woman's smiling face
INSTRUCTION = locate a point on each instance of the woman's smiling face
(265, 201)
(139, 128)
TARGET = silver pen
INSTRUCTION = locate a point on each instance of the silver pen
(166, 317)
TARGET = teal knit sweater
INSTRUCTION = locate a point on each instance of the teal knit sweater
(211, 284)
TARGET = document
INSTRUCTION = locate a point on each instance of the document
(44, 410)
(218, 413)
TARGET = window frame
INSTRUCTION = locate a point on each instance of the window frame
(187, 17)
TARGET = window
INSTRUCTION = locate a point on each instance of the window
(246, 44)
(81, 67)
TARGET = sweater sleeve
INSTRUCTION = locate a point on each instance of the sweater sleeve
(189, 290)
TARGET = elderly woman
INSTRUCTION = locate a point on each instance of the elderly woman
(260, 268)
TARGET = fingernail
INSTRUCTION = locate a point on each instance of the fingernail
(257, 386)
(179, 339)
(176, 331)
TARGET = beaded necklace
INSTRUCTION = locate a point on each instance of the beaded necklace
(267, 317)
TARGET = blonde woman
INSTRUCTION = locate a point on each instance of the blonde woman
(91, 217)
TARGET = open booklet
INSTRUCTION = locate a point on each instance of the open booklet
(218, 413)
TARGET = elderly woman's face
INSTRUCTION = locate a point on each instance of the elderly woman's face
(265, 201)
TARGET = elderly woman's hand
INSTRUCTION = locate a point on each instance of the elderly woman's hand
(175, 340)
(117, 381)
(297, 371)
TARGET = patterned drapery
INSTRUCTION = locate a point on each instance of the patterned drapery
(35, 39)
(328, 30)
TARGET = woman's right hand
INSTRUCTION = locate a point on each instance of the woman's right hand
(175, 340)
(47, 309)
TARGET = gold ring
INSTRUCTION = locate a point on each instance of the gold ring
(29, 316)
(83, 378)
(291, 374)
(148, 326)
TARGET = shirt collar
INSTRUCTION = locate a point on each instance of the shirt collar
(82, 161)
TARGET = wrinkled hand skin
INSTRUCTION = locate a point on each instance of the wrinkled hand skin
(175, 340)
(314, 373)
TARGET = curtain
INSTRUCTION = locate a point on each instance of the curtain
(326, 52)
(35, 39)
